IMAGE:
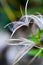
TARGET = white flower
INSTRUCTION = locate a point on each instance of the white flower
(27, 44)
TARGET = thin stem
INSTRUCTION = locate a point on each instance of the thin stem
(26, 7)
(26, 10)
(35, 57)
(21, 11)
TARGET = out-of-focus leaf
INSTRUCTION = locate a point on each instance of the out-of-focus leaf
(3, 18)
(7, 10)
(33, 52)
(36, 38)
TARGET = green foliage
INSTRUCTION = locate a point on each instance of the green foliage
(36, 39)
(33, 52)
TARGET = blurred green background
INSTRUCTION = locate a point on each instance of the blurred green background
(10, 9)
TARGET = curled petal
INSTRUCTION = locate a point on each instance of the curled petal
(14, 26)
(21, 41)
(37, 20)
